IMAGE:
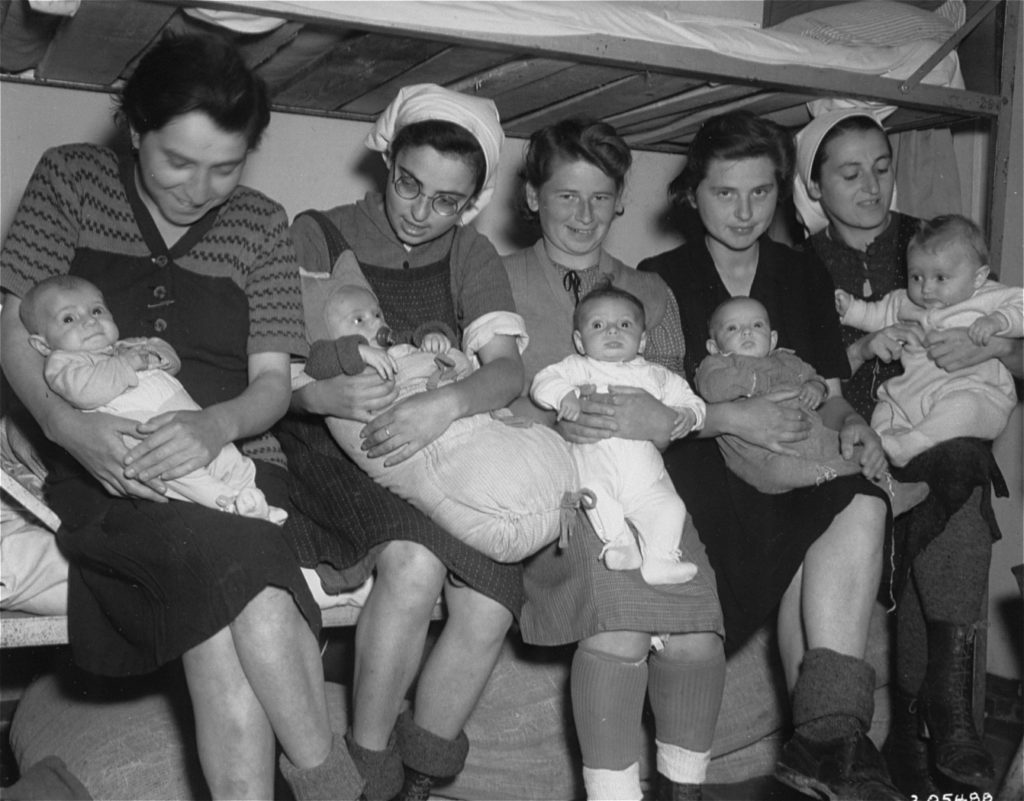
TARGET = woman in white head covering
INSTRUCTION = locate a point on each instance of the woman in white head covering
(846, 178)
(424, 263)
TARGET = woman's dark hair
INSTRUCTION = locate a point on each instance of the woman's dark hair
(731, 137)
(182, 74)
(858, 123)
(574, 139)
(445, 137)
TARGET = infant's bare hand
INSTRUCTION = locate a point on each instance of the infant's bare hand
(982, 330)
(379, 360)
(811, 396)
(569, 408)
(435, 342)
(685, 420)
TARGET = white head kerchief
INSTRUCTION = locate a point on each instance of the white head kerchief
(428, 101)
(808, 140)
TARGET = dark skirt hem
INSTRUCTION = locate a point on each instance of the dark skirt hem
(343, 517)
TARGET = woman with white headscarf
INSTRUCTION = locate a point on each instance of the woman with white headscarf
(844, 194)
(424, 263)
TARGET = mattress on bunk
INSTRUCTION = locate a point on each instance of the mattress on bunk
(874, 37)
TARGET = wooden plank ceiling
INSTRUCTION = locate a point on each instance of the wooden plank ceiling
(332, 70)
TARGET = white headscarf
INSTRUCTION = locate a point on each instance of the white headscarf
(808, 140)
(428, 101)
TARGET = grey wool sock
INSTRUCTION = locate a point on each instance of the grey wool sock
(834, 695)
(428, 753)
(382, 769)
(335, 778)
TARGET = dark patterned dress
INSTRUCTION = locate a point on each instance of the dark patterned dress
(149, 581)
(756, 542)
(344, 517)
(952, 469)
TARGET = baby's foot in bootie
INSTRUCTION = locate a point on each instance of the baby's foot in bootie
(276, 515)
(666, 568)
(251, 502)
(622, 553)
(903, 495)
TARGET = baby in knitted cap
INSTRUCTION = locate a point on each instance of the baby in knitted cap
(501, 488)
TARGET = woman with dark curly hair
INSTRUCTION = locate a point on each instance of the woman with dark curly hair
(181, 250)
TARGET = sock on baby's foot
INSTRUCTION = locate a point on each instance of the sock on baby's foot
(622, 553)
(666, 568)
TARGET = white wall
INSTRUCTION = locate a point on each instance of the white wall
(312, 162)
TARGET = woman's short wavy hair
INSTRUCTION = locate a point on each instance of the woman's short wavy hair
(570, 140)
(182, 74)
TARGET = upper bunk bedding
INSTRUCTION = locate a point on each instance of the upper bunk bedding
(652, 69)
(893, 41)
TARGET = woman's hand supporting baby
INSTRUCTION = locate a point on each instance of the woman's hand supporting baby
(620, 412)
(765, 421)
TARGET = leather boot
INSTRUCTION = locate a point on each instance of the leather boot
(668, 790)
(845, 769)
(947, 706)
(905, 752)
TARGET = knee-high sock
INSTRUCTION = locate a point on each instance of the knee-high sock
(685, 698)
(951, 573)
(911, 647)
(834, 695)
(607, 703)
(949, 581)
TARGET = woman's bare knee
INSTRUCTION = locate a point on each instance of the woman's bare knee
(473, 614)
(410, 568)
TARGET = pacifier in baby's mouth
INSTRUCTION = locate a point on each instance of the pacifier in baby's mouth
(385, 337)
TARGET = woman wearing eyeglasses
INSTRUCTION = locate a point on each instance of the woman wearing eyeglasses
(424, 263)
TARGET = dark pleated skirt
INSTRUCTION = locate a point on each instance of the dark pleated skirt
(148, 581)
(755, 542)
(343, 518)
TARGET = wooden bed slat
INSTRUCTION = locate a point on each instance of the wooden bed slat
(101, 39)
(353, 68)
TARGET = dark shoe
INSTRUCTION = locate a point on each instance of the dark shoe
(847, 769)
(417, 786)
(668, 790)
(905, 752)
(947, 706)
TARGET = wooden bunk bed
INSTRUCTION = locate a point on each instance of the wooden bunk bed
(347, 59)
(649, 68)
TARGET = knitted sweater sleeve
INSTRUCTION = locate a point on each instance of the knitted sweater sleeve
(43, 235)
(331, 357)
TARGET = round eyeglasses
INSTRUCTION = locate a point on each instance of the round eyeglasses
(409, 188)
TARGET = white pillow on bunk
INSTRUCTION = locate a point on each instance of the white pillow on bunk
(878, 23)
